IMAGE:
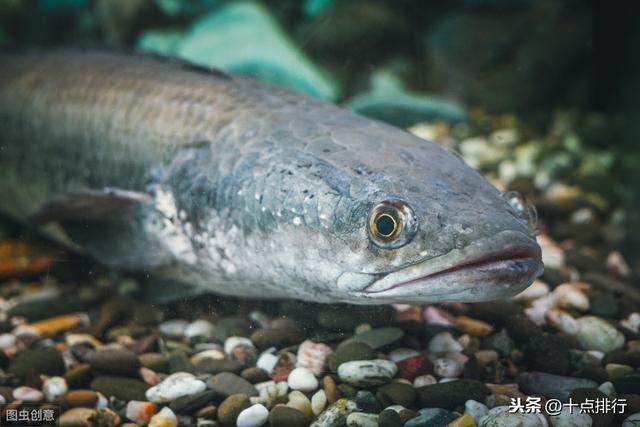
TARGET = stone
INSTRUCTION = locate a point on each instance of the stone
(253, 416)
(553, 386)
(157, 362)
(390, 418)
(330, 389)
(312, 356)
(367, 402)
(447, 367)
(443, 342)
(547, 353)
(464, 421)
(413, 367)
(164, 418)
(231, 407)
(216, 366)
(302, 379)
(361, 419)
(28, 394)
(597, 334)
(173, 328)
(448, 395)
(78, 417)
(81, 398)
(628, 384)
(570, 418)
(348, 352)
(501, 416)
(115, 362)
(476, 409)
(79, 376)
(46, 361)
(227, 383)
(175, 386)
(254, 375)
(336, 414)
(365, 373)
(54, 388)
(318, 402)
(140, 412)
(396, 393)
(473, 327)
(284, 416)
(378, 338)
(189, 404)
(431, 417)
(583, 395)
(120, 387)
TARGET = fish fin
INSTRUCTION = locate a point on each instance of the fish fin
(163, 291)
(110, 204)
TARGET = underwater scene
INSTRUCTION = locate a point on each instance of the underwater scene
(326, 213)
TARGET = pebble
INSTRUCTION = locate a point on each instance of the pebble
(379, 338)
(253, 416)
(164, 418)
(629, 384)
(553, 386)
(414, 366)
(157, 362)
(54, 388)
(476, 409)
(431, 417)
(473, 327)
(348, 352)
(424, 380)
(390, 418)
(569, 417)
(37, 362)
(361, 419)
(140, 412)
(173, 328)
(396, 393)
(444, 342)
(597, 334)
(199, 329)
(584, 395)
(193, 402)
(231, 407)
(301, 402)
(277, 337)
(77, 417)
(85, 398)
(302, 379)
(464, 421)
(267, 361)
(285, 416)
(115, 361)
(449, 368)
(501, 416)
(312, 356)
(175, 386)
(28, 394)
(227, 383)
(79, 376)
(366, 373)
(318, 402)
(367, 402)
(7, 341)
(448, 395)
(336, 414)
(120, 387)
(548, 353)
(632, 420)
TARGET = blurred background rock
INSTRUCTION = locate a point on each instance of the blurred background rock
(540, 95)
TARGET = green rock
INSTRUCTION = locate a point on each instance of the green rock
(450, 394)
(227, 38)
(431, 417)
(389, 101)
(390, 418)
(120, 387)
(499, 342)
(396, 393)
(348, 352)
(45, 361)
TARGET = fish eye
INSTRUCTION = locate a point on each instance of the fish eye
(391, 224)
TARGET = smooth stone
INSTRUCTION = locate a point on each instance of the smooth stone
(254, 375)
(302, 379)
(285, 416)
(336, 414)
(277, 337)
(157, 362)
(547, 353)
(37, 362)
(396, 393)
(115, 362)
(431, 417)
(443, 342)
(28, 394)
(164, 418)
(216, 366)
(175, 386)
(365, 373)
(81, 398)
(78, 417)
(570, 418)
(199, 328)
(361, 419)
(79, 376)
(501, 416)
(476, 409)
(465, 420)
(413, 367)
(140, 412)
(120, 387)
(632, 420)
(447, 368)
(390, 418)
(448, 395)
(54, 388)
(253, 416)
(227, 383)
(582, 395)
(231, 407)
(189, 404)
(179, 362)
(500, 342)
(597, 334)
(553, 386)
(628, 384)
(367, 402)
(318, 402)
(348, 352)
(174, 328)
(378, 338)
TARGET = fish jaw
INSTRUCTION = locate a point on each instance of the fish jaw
(489, 269)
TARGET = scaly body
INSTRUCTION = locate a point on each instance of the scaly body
(241, 188)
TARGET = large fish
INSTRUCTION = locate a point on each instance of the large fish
(237, 187)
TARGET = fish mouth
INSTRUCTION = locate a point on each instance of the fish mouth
(496, 268)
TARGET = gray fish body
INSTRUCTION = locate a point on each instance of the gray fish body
(244, 189)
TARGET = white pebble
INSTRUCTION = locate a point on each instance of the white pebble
(199, 328)
(362, 419)
(501, 416)
(175, 386)
(423, 380)
(312, 356)
(164, 418)
(562, 321)
(318, 402)
(570, 417)
(233, 342)
(597, 334)
(365, 373)
(447, 368)
(402, 353)
(608, 389)
(28, 394)
(444, 343)
(632, 322)
(476, 409)
(253, 416)
(54, 388)
(7, 340)
(173, 328)
(267, 361)
(302, 379)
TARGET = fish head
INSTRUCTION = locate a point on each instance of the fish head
(410, 222)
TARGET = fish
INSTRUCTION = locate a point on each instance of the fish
(219, 183)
